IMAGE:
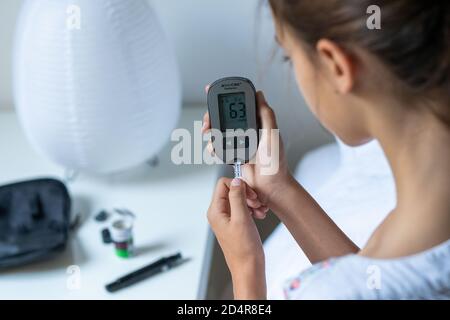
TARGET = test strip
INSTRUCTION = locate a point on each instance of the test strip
(237, 170)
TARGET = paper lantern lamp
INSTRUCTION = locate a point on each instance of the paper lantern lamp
(96, 82)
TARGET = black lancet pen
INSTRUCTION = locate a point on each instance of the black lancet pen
(152, 269)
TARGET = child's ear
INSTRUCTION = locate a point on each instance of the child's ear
(337, 64)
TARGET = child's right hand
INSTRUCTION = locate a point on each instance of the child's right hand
(266, 186)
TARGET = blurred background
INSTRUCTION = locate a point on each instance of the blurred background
(212, 39)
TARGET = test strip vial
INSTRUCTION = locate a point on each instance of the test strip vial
(122, 237)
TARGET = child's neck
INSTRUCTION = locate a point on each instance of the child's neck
(418, 150)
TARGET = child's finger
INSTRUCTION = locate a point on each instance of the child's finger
(206, 123)
(259, 213)
(237, 197)
(265, 112)
(254, 203)
(251, 194)
(210, 148)
(220, 206)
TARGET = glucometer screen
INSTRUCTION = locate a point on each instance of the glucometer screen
(232, 111)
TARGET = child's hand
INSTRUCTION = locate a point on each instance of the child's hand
(234, 227)
(264, 185)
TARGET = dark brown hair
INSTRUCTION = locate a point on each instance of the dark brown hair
(413, 42)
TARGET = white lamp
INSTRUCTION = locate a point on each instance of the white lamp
(96, 83)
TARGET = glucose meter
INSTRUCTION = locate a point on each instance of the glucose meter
(232, 112)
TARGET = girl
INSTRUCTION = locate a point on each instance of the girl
(391, 84)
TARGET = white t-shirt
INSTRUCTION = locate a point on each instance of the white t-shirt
(425, 275)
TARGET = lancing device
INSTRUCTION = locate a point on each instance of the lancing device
(232, 111)
(156, 267)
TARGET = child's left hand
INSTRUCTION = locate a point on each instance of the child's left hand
(238, 237)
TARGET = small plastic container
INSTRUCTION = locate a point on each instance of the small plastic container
(122, 237)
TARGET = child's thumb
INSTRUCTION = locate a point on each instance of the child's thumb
(238, 201)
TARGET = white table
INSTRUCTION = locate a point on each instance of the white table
(170, 202)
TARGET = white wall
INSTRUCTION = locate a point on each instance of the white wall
(8, 13)
(212, 39)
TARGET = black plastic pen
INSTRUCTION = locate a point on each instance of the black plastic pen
(152, 269)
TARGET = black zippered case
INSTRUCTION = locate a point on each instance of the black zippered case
(34, 221)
